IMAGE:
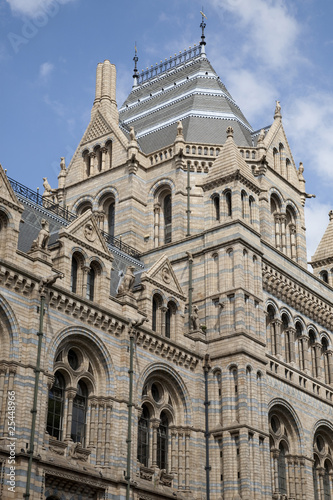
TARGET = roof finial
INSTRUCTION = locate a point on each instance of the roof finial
(136, 73)
(203, 26)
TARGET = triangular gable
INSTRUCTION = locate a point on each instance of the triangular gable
(162, 275)
(230, 162)
(276, 135)
(85, 229)
(96, 128)
(7, 195)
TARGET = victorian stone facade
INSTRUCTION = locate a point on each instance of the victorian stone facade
(160, 331)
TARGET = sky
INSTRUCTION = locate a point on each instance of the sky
(263, 51)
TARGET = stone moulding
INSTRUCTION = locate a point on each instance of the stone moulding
(165, 350)
(296, 296)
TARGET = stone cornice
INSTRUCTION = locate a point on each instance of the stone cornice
(297, 296)
(164, 348)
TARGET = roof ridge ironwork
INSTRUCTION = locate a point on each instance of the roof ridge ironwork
(168, 64)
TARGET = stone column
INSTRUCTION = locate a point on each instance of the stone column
(180, 461)
(319, 364)
(283, 233)
(107, 433)
(329, 366)
(163, 311)
(71, 393)
(277, 231)
(293, 249)
(155, 422)
(104, 152)
(291, 475)
(92, 440)
(92, 157)
(99, 433)
(157, 211)
(292, 336)
(173, 449)
(85, 270)
(275, 458)
(187, 460)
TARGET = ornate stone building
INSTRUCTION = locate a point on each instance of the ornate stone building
(161, 336)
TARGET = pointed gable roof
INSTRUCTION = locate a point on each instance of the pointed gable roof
(162, 275)
(325, 248)
(184, 88)
(7, 195)
(229, 163)
(86, 230)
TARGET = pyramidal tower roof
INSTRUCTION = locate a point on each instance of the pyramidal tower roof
(325, 248)
(184, 87)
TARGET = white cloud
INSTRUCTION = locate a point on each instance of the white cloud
(316, 221)
(31, 8)
(45, 70)
(310, 126)
(269, 29)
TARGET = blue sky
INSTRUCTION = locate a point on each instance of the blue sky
(263, 50)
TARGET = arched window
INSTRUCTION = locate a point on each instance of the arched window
(251, 209)
(56, 407)
(143, 437)
(83, 207)
(243, 199)
(74, 274)
(216, 203)
(228, 203)
(168, 322)
(291, 232)
(271, 329)
(111, 214)
(167, 212)
(162, 441)
(282, 469)
(323, 464)
(324, 276)
(78, 431)
(275, 159)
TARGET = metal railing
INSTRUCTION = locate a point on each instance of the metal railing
(168, 64)
(35, 197)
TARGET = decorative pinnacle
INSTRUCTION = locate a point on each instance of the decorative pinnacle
(230, 132)
(330, 214)
(203, 26)
(136, 72)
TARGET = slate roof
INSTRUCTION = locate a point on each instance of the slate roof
(191, 92)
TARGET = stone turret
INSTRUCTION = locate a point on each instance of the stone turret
(105, 93)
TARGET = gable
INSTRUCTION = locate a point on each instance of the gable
(85, 231)
(162, 275)
(7, 195)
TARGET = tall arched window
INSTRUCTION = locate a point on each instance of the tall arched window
(168, 322)
(314, 355)
(74, 274)
(323, 464)
(271, 329)
(228, 203)
(302, 345)
(291, 232)
(282, 469)
(111, 217)
(288, 338)
(143, 437)
(243, 200)
(78, 431)
(56, 407)
(251, 209)
(162, 441)
(216, 204)
(167, 212)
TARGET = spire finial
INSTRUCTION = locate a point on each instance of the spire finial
(135, 73)
(203, 26)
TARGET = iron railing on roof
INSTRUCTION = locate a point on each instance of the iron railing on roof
(35, 197)
(118, 243)
(168, 64)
